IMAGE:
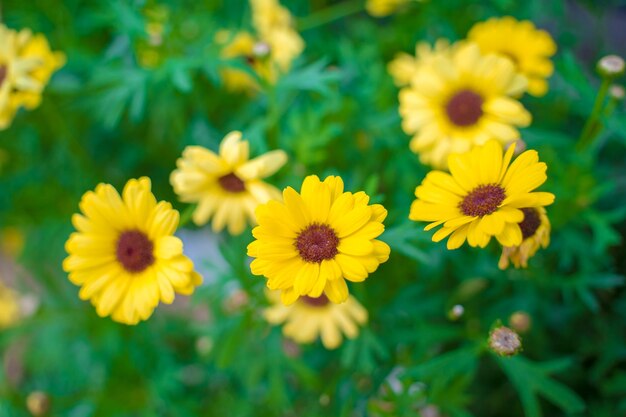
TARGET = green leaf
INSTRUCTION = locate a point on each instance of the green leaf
(532, 381)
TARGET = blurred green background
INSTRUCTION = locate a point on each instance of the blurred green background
(123, 107)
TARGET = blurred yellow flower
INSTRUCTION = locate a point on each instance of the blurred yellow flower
(268, 52)
(404, 66)
(227, 187)
(382, 8)
(309, 318)
(461, 98)
(9, 306)
(529, 48)
(26, 65)
(124, 255)
(535, 234)
(310, 244)
(12, 241)
(483, 196)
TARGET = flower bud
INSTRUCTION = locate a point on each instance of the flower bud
(204, 345)
(611, 66)
(38, 403)
(456, 312)
(520, 321)
(617, 92)
(504, 341)
(236, 301)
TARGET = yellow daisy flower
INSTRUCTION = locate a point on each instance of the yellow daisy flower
(228, 186)
(535, 234)
(529, 48)
(9, 306)
(459, 99)
(404, 66)
(124, 255)
(315, 240)
(26, 65)
(483, 196)
(309, 318)
(269, 52)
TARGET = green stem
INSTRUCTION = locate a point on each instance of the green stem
(329, 14)
(186, 214)
(590, 130)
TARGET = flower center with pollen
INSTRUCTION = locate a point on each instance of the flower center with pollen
(232, 183)
(482, 200)
(465, 108)
(316, 243)
(135, 251)
(531, 222)
(320, 301)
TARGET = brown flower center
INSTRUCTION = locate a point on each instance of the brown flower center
(316, 243)
(531, 222)
(3, 74)
(232, 183)
(465, 108)
(134, 251)
(482, 200)
(320, 301)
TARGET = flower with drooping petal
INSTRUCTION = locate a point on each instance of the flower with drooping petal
(482, 197)
(529, 48)
(309, 318)
(318, 238)
(459, 99)
(535, 234)
(124, 254)
(227, 187)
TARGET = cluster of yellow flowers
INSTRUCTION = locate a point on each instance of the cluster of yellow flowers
(455, 96)
(461, 104)
(26, 65)
(262, 55)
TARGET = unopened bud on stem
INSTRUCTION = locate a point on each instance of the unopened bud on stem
(611, 66)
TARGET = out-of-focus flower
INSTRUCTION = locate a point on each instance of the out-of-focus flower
(26, 65)
(150, 53)
(611, 66)
(459, 99)
(38, 403)
(227, 187)
(9, 306)
(529, 48)
(11, 241)
(504, 341)
(268, 52)
(309, 318)
(124, 255)
(382, 8)
(404, 66)
(520, 321)
(535, 234)
(483, 197)
(310, 244)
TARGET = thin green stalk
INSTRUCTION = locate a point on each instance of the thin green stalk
(590, 129)
(186, 214)
(329, 14)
